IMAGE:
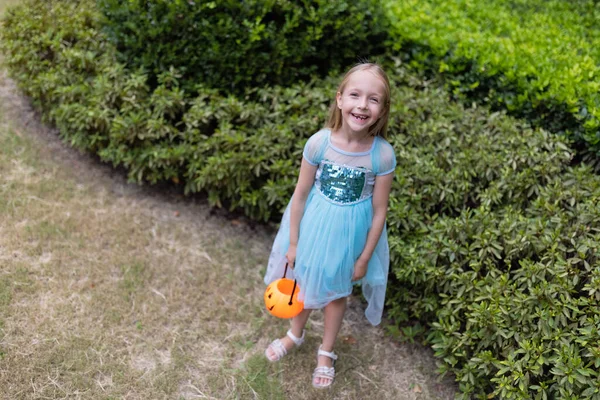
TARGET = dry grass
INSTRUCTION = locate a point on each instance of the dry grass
(4, 4)
(109, 290)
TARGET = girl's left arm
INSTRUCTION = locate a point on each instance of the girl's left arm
(381, 196)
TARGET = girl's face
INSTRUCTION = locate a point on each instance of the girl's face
(361, 102)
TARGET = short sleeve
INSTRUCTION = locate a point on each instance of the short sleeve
(315, 147)
(384, 159)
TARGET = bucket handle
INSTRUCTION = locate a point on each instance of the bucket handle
(294, 288)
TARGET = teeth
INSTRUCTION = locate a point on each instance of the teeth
(360, 117)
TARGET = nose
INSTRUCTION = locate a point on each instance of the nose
(363, 103)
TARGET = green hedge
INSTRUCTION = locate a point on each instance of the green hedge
(207, 141)
(494, 241)
(232, 45)
(493, 236)
(535, 58)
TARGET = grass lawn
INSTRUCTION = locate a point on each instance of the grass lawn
(7, 3)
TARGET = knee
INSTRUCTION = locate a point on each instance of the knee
(338, 302)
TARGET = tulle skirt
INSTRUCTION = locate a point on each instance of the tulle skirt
(331, 239)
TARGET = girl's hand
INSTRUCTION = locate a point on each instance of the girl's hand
(360, 269)
(291, 256)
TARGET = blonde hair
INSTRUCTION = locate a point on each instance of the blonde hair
(378, 128)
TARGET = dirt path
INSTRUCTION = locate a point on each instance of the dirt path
(112, 290)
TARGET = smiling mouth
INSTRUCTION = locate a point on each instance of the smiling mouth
(359, 117)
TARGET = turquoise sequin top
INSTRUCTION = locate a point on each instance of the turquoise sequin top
(344, 185)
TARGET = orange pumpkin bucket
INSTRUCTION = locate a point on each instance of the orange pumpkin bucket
(281, 298)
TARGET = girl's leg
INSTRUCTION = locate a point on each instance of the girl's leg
(334, 314)
(298, 324)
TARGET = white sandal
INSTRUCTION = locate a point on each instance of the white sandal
(324, 372)
(279, 349)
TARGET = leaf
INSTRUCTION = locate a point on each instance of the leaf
(349, 339)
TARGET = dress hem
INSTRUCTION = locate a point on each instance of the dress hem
(318, 307)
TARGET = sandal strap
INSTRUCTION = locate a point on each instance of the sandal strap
(297, 340)
(331, 355)
(324, 372)
(278, 349)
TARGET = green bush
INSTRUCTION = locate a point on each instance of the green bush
(232, 45)
(494, 241)
(493, 236)
(535, 58)
(210, 143)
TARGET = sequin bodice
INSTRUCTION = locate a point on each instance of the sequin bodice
(342, 184)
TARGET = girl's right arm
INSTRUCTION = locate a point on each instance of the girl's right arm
(303, 187)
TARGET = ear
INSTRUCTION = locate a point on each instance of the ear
(338, 99)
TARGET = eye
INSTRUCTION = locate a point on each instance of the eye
(353, 94)
(375, 100)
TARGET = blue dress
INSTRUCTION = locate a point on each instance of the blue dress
(334, 227)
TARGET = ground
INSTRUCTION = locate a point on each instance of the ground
(113, 290)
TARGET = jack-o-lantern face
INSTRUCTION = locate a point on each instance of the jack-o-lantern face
(281, 298)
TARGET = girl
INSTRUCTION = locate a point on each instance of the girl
(333, 232)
